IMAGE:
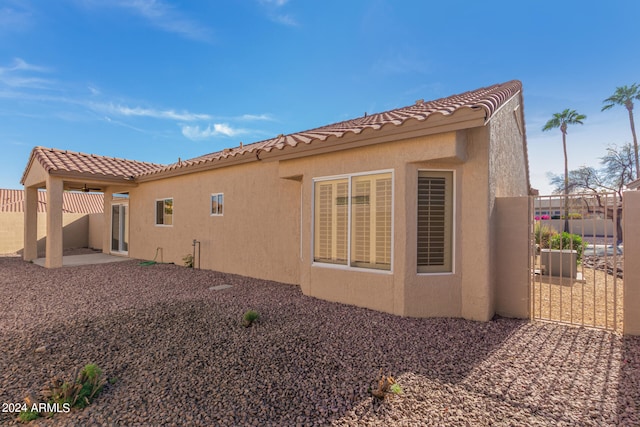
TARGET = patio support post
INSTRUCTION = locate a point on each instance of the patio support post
(54, 222)
(106, 228)
(30, 223)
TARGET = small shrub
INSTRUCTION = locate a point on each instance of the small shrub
(88, 384)
(543, 234)
(249, 317)
(26, 416)
(188, 260)
(384, 386)
(568, 241)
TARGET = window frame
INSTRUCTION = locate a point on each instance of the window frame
(164, 200)
(348, 265)
(220, 206)
(453, 223)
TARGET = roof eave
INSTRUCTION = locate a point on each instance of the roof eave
(246, 157)
(463, 119)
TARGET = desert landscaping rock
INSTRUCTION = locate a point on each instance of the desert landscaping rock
(176, 353)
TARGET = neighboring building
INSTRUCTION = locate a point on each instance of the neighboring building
(77, 208)
(393, 211)
(634, 185)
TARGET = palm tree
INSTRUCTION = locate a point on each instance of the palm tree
(625, 95)
(562, 120)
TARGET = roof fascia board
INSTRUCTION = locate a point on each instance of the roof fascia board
(83, 177)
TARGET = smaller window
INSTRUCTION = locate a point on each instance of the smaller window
(217, 203)
(164, 212)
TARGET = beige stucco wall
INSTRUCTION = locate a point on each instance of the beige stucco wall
(631, 212)
(511, 256)
(462, 293)
(74, 233)
(266, 229)
(257, 236)
(507, 164)
(96, 228)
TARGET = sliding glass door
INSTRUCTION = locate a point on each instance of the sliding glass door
(120, 228)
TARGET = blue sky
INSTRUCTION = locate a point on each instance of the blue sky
(155, 80)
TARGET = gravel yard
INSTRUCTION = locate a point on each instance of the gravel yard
(177, 354)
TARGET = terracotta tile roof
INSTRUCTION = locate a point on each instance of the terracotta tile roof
(53, 159)
(13, 201)
(488, 99)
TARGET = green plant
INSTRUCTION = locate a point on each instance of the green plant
(29, 415)
(188, 260)
(543, 235)
(385, 385)
(88, 384)
(249, 317)
(568, 241)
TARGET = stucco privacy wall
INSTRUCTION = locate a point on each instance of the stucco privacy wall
(75, 231)
(257, 235)
(631, 212)
(403, 291)
(508, 177)
(96, 228)
(511, 255)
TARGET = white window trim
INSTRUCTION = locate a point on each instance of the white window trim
(210, 200)
(348, 267)
(173, 215)
(453, 224)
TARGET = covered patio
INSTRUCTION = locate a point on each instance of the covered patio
(58, 171)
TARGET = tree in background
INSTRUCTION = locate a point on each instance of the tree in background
(562, 120)
(618, 169)
(625, 95)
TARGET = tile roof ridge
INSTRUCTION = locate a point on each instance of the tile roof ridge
(43, 150)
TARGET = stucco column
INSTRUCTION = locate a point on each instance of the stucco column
(106, 228)
(631, 230)
(54, 222)
(30, 223)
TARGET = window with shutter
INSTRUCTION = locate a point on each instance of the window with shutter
(435, 218)
(331, 221)
(354, 212)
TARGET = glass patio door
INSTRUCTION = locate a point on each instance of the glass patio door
(119, 228)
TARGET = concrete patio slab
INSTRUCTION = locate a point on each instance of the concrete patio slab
(86, 259)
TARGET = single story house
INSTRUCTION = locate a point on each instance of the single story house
(394, 211)
(82, 215)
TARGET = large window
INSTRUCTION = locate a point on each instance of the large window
(164, 212)
(352, 220)
(435, 218)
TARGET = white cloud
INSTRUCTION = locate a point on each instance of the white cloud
(20, 74)
(276, 3)
(124, 110)
(273, 7)
(160, 14)
(252, 117)
(218, 129)
(285, 20)
(12, 19)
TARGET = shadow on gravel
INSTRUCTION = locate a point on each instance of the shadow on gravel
(629, 387)
(182, 357)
